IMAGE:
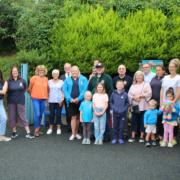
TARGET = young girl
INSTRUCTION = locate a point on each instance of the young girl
(150, 121)
(100, 104)
(170, 116)
(86, 111)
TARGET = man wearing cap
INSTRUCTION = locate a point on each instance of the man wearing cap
(101, 77)
(123, 77)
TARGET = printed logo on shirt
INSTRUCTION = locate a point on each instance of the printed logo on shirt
(122, 97)
(21, 84)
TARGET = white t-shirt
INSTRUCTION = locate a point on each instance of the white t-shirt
(168, 82)
(100, 100)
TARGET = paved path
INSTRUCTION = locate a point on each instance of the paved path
(55, 158)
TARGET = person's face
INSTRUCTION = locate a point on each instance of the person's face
(159, 72)
(100, 88)
(41, 72)
(169, 97)
(15, 73)
(139, 78)
(122, 70)
(75, 73)
(67, 69)
(55, 76)
(94, 70)
(120, 86)
(172, 68)
(88, 97)
(146, 68)
(99, 70)
(151, 105)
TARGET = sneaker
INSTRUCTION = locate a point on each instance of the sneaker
(114, 141)
(153, 143)
(141, 140)
(49, 131)
(84, 141)
(121, 141)
(14, 135)
(147, 144)
(78, 136)
(5, 139)
(100, 142)
(163, 144)
(131, 140)
(29, 136)
(88, 141)
(174, 142)
(170, 144)
(72, 137)
(96, 142)
(58, 132)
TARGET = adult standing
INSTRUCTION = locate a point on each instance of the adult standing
(106, 80)
(156, 83)
(74, 89)
(123, 77)
(67, 70)
(38, 89)
(56, 98)
(139, 95)
(172, 80)
(16, 102)
(3, 116)
(148, 75)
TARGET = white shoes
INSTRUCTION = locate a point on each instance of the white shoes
(49, 131)
(58, 131)
(77, 136)
(5, 139)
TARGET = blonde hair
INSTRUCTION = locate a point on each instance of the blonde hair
(55, 71)
(41, 67)
(176, 62)
(75, 68)
(87, 92)
(136, 74)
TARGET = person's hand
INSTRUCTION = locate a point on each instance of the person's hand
(145, 126)
(76, 101)
(80, 120)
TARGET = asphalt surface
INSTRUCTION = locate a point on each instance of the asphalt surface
(52, 157)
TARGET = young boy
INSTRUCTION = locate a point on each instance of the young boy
(119, 105)
(150, 121)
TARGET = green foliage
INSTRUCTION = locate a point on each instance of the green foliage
(143, 36)
(86, 36)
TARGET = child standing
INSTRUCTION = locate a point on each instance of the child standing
(150, 121)
(119, 105)
(86, 111)
(100, 104)
(170, 116)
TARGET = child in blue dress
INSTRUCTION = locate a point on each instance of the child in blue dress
(86, 116)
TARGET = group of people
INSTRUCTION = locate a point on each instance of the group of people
(152, 99)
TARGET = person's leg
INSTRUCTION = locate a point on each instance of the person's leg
(142, 124)
(165, 133)
(36, 108)
(134, 120)
(121, 126)
(12, 112)
(88, 130)
(68, 117)
(73, 125)
(3, 119)
(84, 130)
(115, 127)
(160, 130)
(96, 127)
(42, 109)
(102, 126)
(148, 135)
(77, 124)
(58, 115)
(171, 133)
(107, 133)
(52, 115)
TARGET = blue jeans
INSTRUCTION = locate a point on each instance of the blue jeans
(39, 108)
(99, 125)
(3, 118)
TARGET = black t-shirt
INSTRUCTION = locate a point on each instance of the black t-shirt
(75, 88)
(16, 91)
(1, 87)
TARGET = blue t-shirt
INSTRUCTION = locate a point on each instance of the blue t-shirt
(86, 108)
(150, 116)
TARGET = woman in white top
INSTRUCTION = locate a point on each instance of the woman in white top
(55, 100)
(172, 80)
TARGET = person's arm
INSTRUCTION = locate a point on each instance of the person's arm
(147, 92)
(80, 118)
(4, 89)
(65, 91)
(177, 97)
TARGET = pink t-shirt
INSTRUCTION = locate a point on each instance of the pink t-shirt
(100, 100)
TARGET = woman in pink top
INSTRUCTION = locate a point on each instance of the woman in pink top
(139, 95)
